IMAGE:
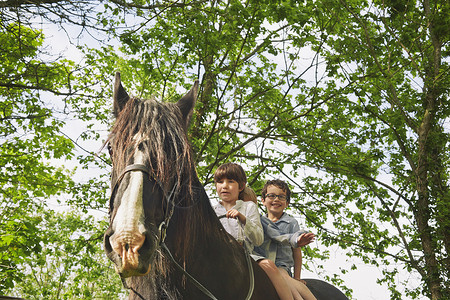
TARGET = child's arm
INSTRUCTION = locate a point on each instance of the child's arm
(252, 227)
(299, 237)
(295, 238)
(274, 234)
(250, 222)
(297, 253)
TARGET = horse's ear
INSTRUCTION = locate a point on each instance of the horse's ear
(120, 95)
(187, 103)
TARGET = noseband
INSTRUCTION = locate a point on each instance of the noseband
(165, 223)
(169, 196)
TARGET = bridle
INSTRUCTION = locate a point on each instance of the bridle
(162, 228)
(169, 196)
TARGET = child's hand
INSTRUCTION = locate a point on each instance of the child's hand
(235, 214)
(305, 239)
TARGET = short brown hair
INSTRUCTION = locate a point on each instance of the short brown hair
(231, 171)
(279, 184)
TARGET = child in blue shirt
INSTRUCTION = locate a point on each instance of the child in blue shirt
(283, 238)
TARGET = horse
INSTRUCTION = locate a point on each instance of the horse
(164, 238)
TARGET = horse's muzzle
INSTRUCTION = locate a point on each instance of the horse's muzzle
(131, 252)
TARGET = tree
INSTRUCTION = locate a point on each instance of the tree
(370, 120)
(29, 138)
(383, 139)
(71, 263)
(344, 99)
(36, 88)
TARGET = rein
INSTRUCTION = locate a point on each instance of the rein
(163, 228)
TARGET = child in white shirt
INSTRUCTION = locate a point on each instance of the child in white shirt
(242, 220)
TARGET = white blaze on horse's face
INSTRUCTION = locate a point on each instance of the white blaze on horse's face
(128, 224)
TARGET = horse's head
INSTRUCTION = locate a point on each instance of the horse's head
(149, 151)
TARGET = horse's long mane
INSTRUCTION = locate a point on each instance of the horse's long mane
(156, 129)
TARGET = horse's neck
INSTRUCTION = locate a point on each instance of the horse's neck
(196, 224)
(200, 245)
(196, 234)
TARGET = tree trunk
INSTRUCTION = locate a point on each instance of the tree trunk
(422, 212)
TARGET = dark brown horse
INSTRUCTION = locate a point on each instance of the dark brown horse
(157, 197)
(162, 226)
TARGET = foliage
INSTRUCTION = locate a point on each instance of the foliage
(29, 139)
(356, 107)
(71, 264)
(347, 100)
(382, 140)
(36, 89)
